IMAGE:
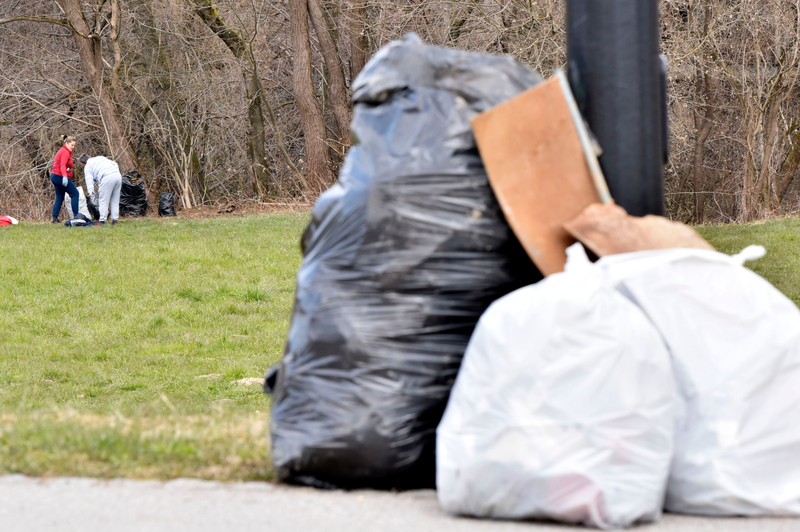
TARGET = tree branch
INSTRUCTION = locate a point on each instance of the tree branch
(209, 13)
(49, 20)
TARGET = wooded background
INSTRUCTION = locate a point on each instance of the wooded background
(226, 101)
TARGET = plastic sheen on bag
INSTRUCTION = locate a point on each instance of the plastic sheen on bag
(735, 346)
(93, 209)
(166, 204)
(401, 257)
(563, 408)
(81, 220)
(132, 198)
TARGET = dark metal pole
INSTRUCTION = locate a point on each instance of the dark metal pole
(617, 77)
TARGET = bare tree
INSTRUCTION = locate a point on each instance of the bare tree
(698, 20)
(242, 50)
(762, 69)
(314, 130)
(88, 43)
(148, 79)
(704, 122)
(358, 42)
(335, 74)
(788, 172)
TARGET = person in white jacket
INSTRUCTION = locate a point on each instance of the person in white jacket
(105, 173)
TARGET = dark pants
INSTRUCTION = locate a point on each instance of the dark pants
(70, 189)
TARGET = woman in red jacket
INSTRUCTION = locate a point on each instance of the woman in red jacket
(61, 176)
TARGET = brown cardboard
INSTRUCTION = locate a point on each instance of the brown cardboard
(537, 169)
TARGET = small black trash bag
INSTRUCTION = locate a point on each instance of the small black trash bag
(132, 197)
(166, 204)
(93, 210)
(401, 257)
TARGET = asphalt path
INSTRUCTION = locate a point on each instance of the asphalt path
(89, 505)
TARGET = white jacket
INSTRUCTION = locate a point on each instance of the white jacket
(98, 168)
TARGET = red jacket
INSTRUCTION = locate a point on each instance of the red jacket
(62, 165)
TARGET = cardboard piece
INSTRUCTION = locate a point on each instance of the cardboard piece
(608, 230)
(539, 169)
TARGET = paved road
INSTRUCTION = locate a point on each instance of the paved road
(88, 505)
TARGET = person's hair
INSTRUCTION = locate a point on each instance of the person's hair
(67, 138)
(83, 159)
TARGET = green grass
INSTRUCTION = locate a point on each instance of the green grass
(781, 238)
(121, 347)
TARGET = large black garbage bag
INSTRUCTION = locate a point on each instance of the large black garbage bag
(132, 197)
(166, 204)
(401, 257)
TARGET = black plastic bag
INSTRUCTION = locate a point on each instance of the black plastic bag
(92, 208)
(132, 198)
(401, 258)
(166, 204)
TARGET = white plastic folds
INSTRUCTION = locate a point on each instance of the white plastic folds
(82, 208)
(562, 409)
(735, 346)
(570, 390)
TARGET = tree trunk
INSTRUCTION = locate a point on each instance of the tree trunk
(788, 170)
(358, 38)
(747, 202)
(209, 13)
(313, 123)
(89, 50)
(338, 89)
(770, 132)
(167, 108)
(703, 127)
(256, 141)
(115, 21)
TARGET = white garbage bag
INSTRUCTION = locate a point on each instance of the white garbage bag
(562, 408)
(735, 345)
(82, 208)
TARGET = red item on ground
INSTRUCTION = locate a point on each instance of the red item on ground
(6, 220)
(62, 164)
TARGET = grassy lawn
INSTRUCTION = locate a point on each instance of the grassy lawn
(122, 348)
(781, 238)
(125, 351)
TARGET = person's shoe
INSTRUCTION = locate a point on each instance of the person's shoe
(102, 223)
(54, 221)
(114, 222)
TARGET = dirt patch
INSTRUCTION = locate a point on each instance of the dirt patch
(240, 208)
(249, 381)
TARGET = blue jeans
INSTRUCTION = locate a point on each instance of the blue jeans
(70, 189)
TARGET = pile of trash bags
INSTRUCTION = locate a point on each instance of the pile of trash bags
(132, 202)
(648, 380)
(424, 344)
